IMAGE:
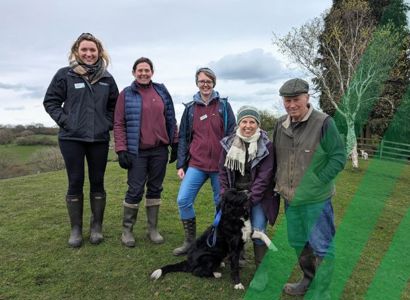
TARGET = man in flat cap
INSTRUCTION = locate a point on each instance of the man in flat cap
(309, 154)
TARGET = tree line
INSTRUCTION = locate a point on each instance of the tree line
(357, 56)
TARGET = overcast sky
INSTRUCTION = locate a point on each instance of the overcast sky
(233, 37)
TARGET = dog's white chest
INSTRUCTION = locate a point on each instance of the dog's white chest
(246, 230)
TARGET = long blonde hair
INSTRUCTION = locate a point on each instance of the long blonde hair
(102, 53)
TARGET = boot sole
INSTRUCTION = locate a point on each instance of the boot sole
(75, 244)
(288, 291)
(96, 242)
(128, 245)
(96, 238)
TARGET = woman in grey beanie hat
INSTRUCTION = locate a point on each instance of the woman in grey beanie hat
(248, 111)
(247, 163)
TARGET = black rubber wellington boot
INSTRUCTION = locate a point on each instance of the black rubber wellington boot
(75, 212)
(307, 262)
(97, 202)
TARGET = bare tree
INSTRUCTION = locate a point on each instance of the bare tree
(361, 56)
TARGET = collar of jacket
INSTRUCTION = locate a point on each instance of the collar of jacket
(135, 86)
(106, 74)
(287, 121)
(198, 99)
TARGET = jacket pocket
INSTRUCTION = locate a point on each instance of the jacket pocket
(309, 187)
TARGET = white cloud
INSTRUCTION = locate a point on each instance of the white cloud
(14, 108)
(179, 36)
(28, 91)
(254, 66)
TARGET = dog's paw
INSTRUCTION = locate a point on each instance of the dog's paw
(239, 286)
(222, 265)
(217, 274)
(156, 274)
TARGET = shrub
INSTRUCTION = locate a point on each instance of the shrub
(10, 168)
(26, 133)
(6, 136)
(47, 130)
(49, 159)
(268, 120)
(35, 140)
(18, 128)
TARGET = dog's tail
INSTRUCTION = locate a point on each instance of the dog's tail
(178, 267)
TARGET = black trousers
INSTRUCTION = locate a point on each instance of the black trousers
(74, 153)
(149, 168)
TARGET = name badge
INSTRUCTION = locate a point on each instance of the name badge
(79, 85)
(203, 117)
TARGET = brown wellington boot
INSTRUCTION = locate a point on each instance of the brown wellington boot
(307, 262)
(320, 287)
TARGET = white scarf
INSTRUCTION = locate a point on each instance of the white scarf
(235, 158)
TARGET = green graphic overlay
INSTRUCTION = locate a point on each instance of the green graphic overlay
(393, 273)
(361, 217)
(358, 223)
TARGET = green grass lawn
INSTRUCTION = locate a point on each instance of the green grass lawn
(20, 154)
(36, 262)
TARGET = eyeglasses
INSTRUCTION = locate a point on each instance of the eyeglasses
(207, 82)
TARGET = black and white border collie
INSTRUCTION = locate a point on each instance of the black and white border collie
(226, 240)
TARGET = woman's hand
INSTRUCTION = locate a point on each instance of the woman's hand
(181, 173)
(124, 159)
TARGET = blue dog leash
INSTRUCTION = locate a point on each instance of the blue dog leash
(211, 240)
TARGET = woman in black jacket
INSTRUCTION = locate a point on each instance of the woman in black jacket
(81, 100)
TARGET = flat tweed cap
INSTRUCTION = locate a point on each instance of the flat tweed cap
(294, 87)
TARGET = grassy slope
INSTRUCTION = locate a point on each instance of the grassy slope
(37, 264)
(20, 154)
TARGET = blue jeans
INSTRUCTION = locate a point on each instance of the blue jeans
(258, 221)
(191, 184)
(313, 224)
